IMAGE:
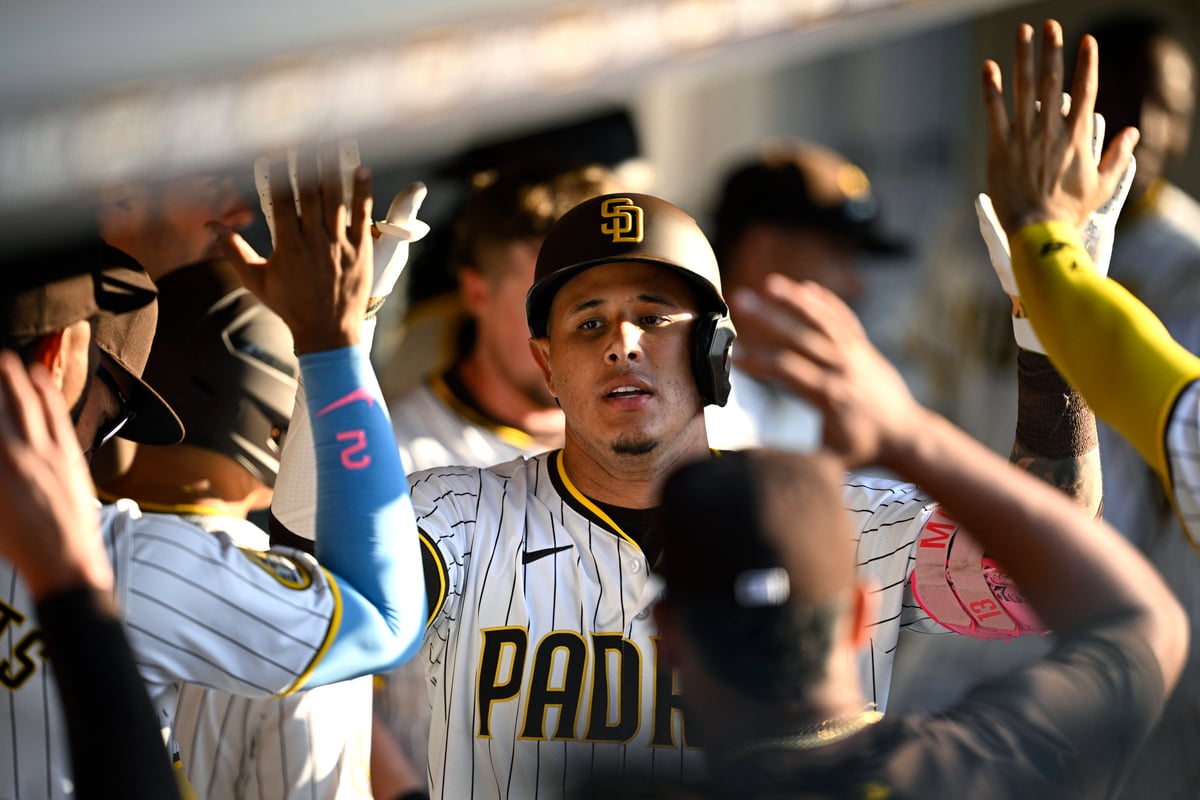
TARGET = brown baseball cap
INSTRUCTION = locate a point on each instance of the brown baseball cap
(757, 529)
(801, 185)
(124, 331)
(624, 226)
(44, 289)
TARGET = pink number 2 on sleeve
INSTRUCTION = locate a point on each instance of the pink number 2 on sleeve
(358, 443)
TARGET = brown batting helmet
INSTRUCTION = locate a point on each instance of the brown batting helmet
(638, 227)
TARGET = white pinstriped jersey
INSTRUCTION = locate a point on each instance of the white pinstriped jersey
(184, 597)
(1183, 455)
(434, 428)
(310, 745)
(542, 652)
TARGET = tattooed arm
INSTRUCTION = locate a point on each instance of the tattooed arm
(1056, 436)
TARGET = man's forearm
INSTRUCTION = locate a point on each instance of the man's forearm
(1056, 438)
(1110, 346)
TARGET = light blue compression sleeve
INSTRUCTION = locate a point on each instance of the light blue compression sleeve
(366, 535)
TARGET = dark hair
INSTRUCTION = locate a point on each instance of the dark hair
(1126, 70)
(773, 655)
(522, 200)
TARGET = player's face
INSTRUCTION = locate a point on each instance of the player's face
(618, 358)
(163, 226)
(1165, 121)
(497, 301)
(187, 204)
(106, 409)
(832, 261)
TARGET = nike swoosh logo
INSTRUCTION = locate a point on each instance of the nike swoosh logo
(358, 394)
(530, 556)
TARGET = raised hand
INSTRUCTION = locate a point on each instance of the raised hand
(814, 345)
(51, 530)
(1041, 166)
(318, 277)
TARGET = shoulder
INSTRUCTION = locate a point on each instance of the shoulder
(873, 493)
(518, 472)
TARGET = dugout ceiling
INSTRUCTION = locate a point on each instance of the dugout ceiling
(128, 89)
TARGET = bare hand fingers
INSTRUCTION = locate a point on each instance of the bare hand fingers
(1050, 82)
(1083, 93)
(244, 258)
(54, 409)
(1115, 162)
(1024, 91)
(993, 104)
(329, 165)
(26, 424)
(361, 208)
(783, 325)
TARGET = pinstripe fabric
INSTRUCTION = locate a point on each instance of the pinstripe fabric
(194, 607)
(311, 745)
(542, 656)
(1183, 454)
(434, 428)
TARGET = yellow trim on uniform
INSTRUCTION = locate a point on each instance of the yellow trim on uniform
(334, 625)
(588, 504)
(443, 578)
(186, 792)
(179, 509)
(513, 436)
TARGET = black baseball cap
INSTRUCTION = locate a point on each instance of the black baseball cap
(756, 529)
(801, 185)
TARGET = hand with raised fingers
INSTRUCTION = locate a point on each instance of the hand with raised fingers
(318, 277)
(813, 345)
(1040, 166)
(391, 235)
(51, 530)
(1097, 232)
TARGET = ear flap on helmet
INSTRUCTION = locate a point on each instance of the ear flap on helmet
(712, 356)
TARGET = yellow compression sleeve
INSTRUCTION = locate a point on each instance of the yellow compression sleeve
(1103, 340)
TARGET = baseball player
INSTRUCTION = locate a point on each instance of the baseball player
(224, 362)
(52, 538)
(490, 405)
(804, 211)
(541, 652)
(196, 607)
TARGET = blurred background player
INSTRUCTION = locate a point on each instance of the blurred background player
(491, 404)
(804, 211)
(161, 224)
(226, 365)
